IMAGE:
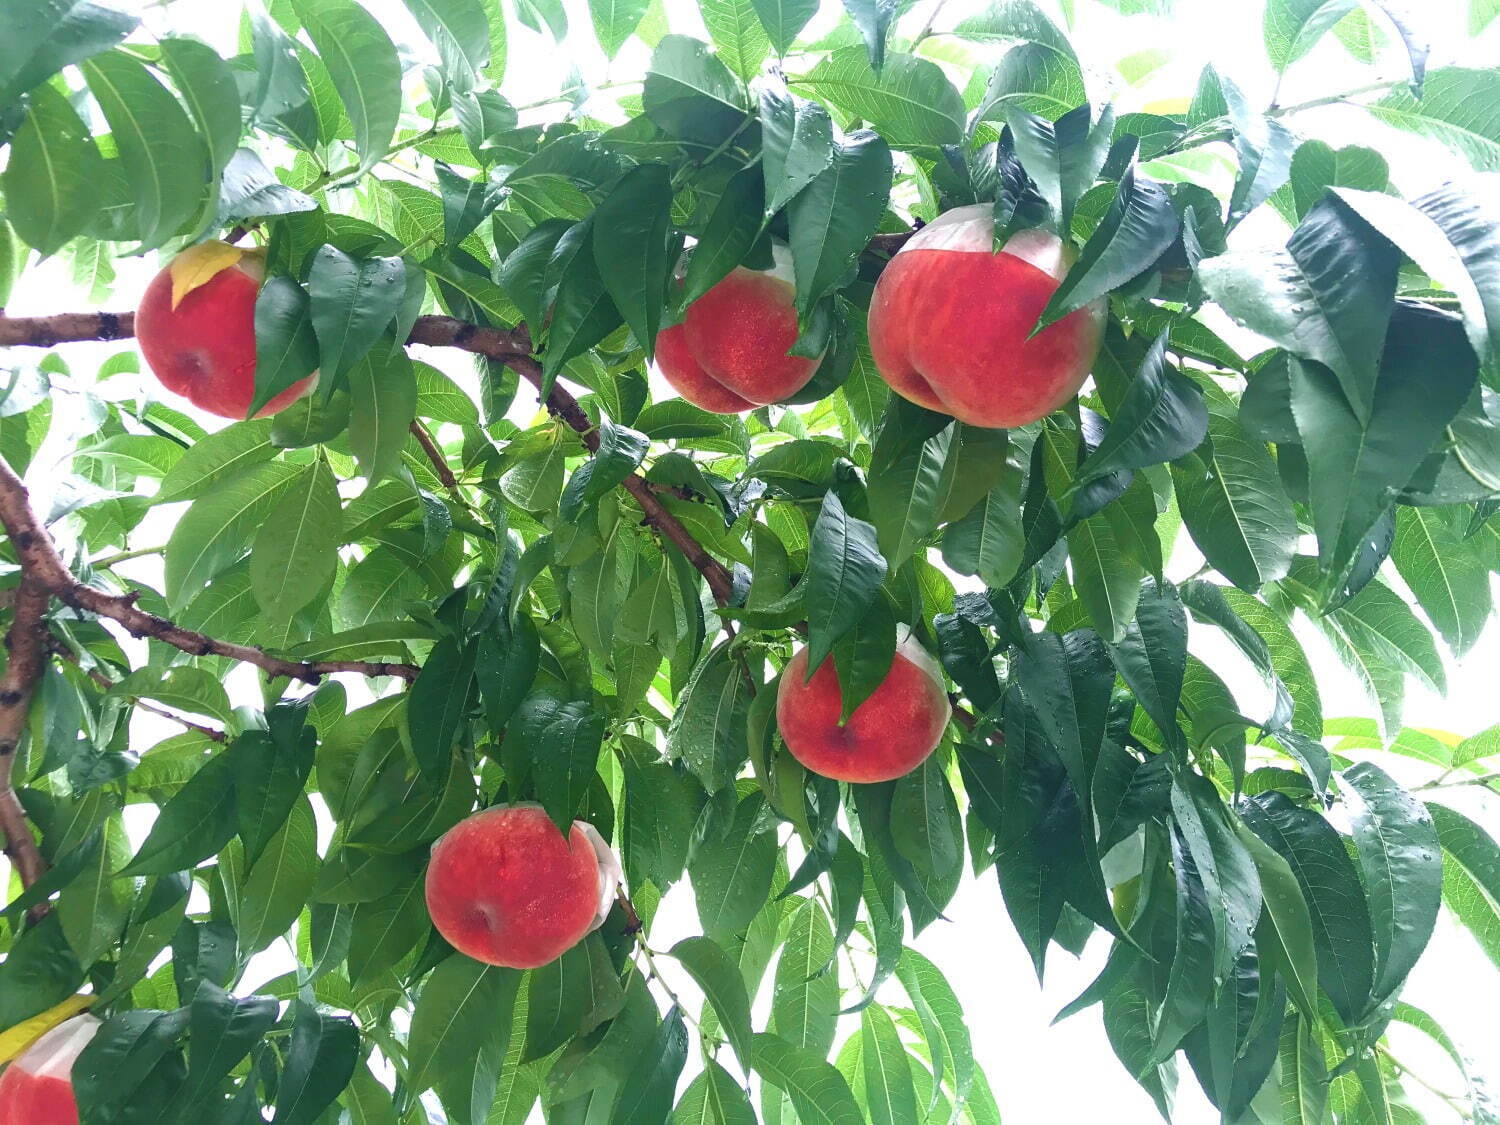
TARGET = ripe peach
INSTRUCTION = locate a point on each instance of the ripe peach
(201, 343)
(506, 888)
(729, 353)
(37, 1088)
(949, 322)
(890, 733)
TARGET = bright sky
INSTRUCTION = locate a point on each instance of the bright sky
(1039, 1073)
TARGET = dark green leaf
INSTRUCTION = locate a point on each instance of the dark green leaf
(832, 218)
(364, 67)
(631, 230)
(844, 573)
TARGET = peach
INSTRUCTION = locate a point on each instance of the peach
(729, 354)
(890, 734)
(507, 888)
(950, 319)
(199, 341)
(37, 1088)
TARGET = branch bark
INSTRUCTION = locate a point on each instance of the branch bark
(26, 641)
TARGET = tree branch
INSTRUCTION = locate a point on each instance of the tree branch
(23, 671)
(41, 564)
(434, 455)
(60, 648)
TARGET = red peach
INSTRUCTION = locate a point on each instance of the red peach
(949, 322)
(729, 354)
(507, 888)
(890, 734)
(204, 347)
(37, 1088)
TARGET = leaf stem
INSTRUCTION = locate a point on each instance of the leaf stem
(126, 556)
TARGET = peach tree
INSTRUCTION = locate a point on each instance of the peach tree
(629, 453)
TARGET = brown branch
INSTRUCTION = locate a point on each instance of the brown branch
(23, 670)
(434, 455)
(42, 564)
(58, 647)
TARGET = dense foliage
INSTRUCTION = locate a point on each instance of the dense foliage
(466, 602)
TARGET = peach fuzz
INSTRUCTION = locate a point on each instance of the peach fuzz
(37, 1087)
(729, 354)
(890, 734)
(202, 345)
(505, 887)
(949, 322)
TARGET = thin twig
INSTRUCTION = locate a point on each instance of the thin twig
(58, 647)
(434, 455)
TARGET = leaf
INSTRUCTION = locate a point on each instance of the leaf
(1451, 233)
(615, 21)
(460, 31)
(731, 873)
(631, 229)
(296, 550)
(463, 1005)
(728, 237)
(796, 144)
(119, 1063)
(1445, 572)
(844, 571)
(583, 313)
(1354, 465)
(570, 996)
(320, 1059)
(216, 457)
(364, 67)
(41, 37)
(1317, 166)
(1285, 925)
(1107, 580)
(647, 1092)
(1161, 418)
(909, 101)
(927, 830)
(889, 1093)
(722, 985)
(1293, 27)
(819, 1092)
(989, 541)
(353, 301)
(286, 344)
(194, 824)
(784, 19)
(564, 738)
(1454, 109)
(713, 1098)
(691, 94)
(440, 704)
(707, 733)
(831, 220)
(48, 180)
(1229, 874)
(905, 493)
(1399, 854)
(738, 39)
(1138, 227)
(206, 84)
(873, 18)
(1340, 915)
(1471, 875)
(160, 152)
(269, 770)
(1238, 512)
(383, 402)
(277, 886)
(1152, 656)
(1304, 1073)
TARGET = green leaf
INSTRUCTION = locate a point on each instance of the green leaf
(631, 229)
(796, 144)
(353, 301)
(1293, 27)
(463, 1004)
(583, 313)
(207, 85)
(50, 176)
(732, 870)
(988, 541)
(1152, 656)
(784, 19)
(713, 1098)
(1106, 579)
(296, 550)
(927, 830)
(439, 705)
(41, 37)
(286, 343)
(1138, 227)
(189, 689)
(1455, 108)
(1354, 465)
(1237, 511)
(120, 1063)
(738, 39)
(647, 1092)
(1336, 904)
(320, 1059)
(707, 733)
(216, 457)
(615, 21)
(570, 996)
(1161, 418)
(364, 67)
(160, 151)
(909, 101)
(1304, 1073)
(1471, 875)
(831, 220)
(460, 30)
(889, 1094)
(383, 402)
(690, 93)
(730, 234)
(1399, 854)
(1229, 874)
(222, 1030)
(818, 1091)
(722, 985)
(1445, 572)
(1285, 925)
(862, 657)
(905, 492)
(1452, 234)
(564, 738)
(844, 572)
(804, 1007)
(93, 907)
(194, 824)
(279, 882)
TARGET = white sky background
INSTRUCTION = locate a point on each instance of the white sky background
(1039, 1073)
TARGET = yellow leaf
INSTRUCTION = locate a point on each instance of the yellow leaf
(198, 265)
(14, 1040)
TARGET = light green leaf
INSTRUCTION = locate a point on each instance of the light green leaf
(364, 67)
